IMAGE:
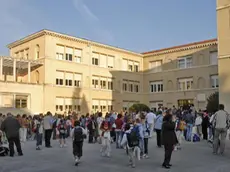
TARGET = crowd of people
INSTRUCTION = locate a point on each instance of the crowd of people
(129, 131)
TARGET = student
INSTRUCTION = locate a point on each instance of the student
(106, 137)
(38, 129)
(62, 128)
(131, 141)
(78, 134)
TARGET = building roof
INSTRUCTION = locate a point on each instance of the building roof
(182, 47)
(69, 37)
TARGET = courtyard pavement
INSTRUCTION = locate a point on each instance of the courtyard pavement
(194, 157)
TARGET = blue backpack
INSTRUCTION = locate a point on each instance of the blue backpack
(196, 138)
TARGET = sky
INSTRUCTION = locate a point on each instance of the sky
(137, 25)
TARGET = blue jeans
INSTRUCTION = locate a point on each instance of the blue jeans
(39, 139)
(189, 132)
(141, 145)
(118, 138)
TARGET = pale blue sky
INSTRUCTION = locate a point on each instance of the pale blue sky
(138, 25)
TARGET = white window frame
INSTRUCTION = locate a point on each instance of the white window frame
(94, 85)
(110, 62)
(94, 58)
(187, 61)
(60, 76)
(156, 87)
(183, 84)
(77, 80)
(214, 81)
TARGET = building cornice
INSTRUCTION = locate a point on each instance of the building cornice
(195, 45)
(70, 38)
(222, 7)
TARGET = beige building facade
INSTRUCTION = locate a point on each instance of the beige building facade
(223, 28)
(50, 71)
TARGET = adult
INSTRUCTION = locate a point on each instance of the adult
(189, 119)
(48, 127)
(11, 127)
(169, 138)
(150, 120)
(158, 127)
(220, 124)
(205, 124)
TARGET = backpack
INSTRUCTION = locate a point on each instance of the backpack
(78, 134)
(181, 125)
(133, 138)
(196, 138)
(3, 151)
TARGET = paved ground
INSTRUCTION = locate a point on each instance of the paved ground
(194, 157)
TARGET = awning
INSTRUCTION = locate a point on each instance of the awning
(20, 63)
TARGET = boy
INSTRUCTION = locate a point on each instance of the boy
(38, 129)
(62, 128)
(106, 138)
(131, 141)
(78, 135)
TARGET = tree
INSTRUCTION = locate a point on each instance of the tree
(213, 102)
(139, 107)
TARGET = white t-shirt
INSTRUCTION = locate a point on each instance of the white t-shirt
(150, 117)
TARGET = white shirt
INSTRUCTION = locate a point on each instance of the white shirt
(150, 117)
(198, 121)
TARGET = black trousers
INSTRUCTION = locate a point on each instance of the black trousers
(48, 134)
(146, 143)
(158, 137)
(168, 154)
(54, 134)
(16, 141)
(77, 149)
(205, 133)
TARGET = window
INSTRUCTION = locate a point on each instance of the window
(95, 82)
(103, 60)
(69, 54)
(76, 104)
(59, 52)
(68, 104)
(77, 55)
(185, 84)
(21, 101)
(110, 84)
(110, 62)
(136, 88)
(213, 58)
(185, 62)
(214, 81)
(37, 49)
(68, 79)
(136, 66)
(95, 105)
(77, 108)
(103, 105)
(130, 87)
(77, 80)
(59, 78)
(68, 57)
(124, 86)
(156, 66)
(103, 83)
(110, 106)
(95, 59)
(59, 104)
(124, 64)
(130, 66)
(156, 87)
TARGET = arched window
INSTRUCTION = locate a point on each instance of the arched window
(37, 77)
(37, 50)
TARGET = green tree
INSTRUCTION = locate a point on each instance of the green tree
(213, 102)
(139, 107)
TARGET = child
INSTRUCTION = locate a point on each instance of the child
(78, 134)
(38, 129)
(62, 128)
(106, 138)
(131, 141)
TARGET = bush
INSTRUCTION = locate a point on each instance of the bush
(213, 102)
(139, 107)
